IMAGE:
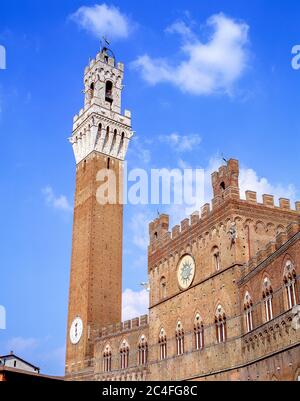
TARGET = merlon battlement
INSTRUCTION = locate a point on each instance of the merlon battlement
(159, 228)
(268, 200)
(102, 57)
(123, 327)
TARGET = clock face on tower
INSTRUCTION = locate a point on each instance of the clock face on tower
(186, 272)
(76, 331)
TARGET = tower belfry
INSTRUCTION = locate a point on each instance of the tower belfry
(100, 139)
(100, 126)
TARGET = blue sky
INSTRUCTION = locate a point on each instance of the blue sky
(240, 99)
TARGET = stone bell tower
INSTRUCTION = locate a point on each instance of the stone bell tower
(100, 139)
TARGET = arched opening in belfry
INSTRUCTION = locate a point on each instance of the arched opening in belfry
(106, 138)
(99, 133)
(92, 90)
(223, 186)
(121, 143)
(114, 140)
(109, 91)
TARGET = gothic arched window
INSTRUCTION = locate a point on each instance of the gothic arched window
(290, 283)
(199, 332)
(162, 341)
(248, 308)
(268, 299)
(221, 327)
(180, 339)
(143, 351)
(124, 355)
(107, 359)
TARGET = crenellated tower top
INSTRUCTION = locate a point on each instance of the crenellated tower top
(100, 126)
(225, 182)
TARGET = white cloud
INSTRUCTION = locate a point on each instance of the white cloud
(250, 181)
(181, 143)
(208, 68)
(21, 345)
(57, 202)
(103, 20)
(135, 304)
(182, 29)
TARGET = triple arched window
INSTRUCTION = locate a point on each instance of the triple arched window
(162, 341)
(268, 299)
(221, 327)
(143, 351)
(124, 355)
(198, 332)
(290, 284)
(107, 359)
(180, 339)
(248, 308)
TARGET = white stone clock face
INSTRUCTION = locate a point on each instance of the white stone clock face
(76, 331)
(186, 272)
